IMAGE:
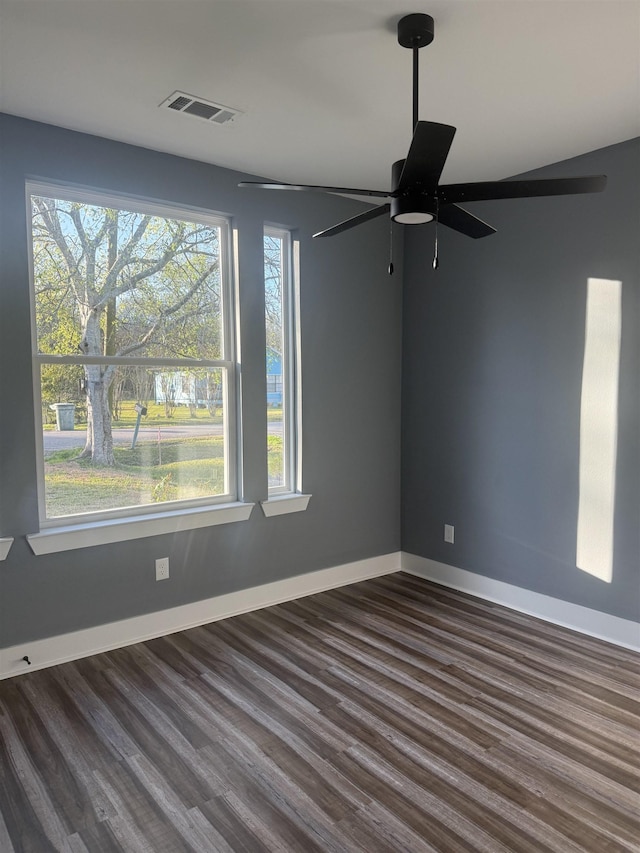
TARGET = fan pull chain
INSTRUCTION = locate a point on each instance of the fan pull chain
(390, 270)
(435, 246)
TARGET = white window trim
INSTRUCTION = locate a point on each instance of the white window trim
(124, 523)
(290, 497)
(283, 504)
(297, 355)
(5, 546)
(107, 531)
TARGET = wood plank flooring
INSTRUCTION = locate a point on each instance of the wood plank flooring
(391, 715)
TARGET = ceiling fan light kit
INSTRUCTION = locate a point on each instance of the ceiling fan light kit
(416, 196)
(409, 208)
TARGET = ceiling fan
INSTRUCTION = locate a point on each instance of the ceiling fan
(416, 195)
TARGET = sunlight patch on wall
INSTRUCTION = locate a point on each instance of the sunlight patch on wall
(599, 428)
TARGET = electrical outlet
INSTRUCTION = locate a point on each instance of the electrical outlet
(162, 569)
(449, 533)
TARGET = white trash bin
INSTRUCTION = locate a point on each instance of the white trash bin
(65, 415)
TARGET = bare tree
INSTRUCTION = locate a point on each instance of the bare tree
(137, 285)
(273, 291)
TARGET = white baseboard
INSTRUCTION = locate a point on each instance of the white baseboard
(78, 644)
(613, 629)
(102, 638)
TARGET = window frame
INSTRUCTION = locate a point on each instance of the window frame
(290, 362)
(128, 522)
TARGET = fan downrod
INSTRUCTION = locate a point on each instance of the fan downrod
(415, 31)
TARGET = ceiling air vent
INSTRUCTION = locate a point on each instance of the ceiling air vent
(209, 111)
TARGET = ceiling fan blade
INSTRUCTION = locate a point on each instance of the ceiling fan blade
(355, 220)
(427, 155)
(490, 190)
(466, 223)
(308, 188)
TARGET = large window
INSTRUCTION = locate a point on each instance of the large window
(133, 356)
(280, 358)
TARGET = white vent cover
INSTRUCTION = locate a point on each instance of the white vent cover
(200, 108)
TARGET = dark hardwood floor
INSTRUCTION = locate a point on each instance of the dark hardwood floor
(392, 715)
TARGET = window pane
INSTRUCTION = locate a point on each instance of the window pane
(137, 287)
(114, 282)
(167, 438)
(275, 320)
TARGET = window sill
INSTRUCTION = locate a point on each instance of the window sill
(283, 504)
(5, 547)
(55, 539)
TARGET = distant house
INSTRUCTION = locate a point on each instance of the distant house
(185, 389)
(274, 377)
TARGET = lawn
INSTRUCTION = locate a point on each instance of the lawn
(152, 472)
(156, 416)
(174, 469)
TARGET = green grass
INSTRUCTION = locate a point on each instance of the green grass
(274, 458)
(187, 469)
(72, 488)
(152, 472)
(156, 416)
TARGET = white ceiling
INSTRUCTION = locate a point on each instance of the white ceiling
(323, 84)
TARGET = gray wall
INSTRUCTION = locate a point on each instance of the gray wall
(492, 368)
(351, 331)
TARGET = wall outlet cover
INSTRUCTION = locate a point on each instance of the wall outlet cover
(162, 569)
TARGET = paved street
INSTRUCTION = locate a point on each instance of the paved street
(63, 439)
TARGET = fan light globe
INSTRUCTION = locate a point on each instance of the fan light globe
(413, 218)
(414, 208)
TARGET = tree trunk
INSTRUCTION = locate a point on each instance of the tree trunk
(99, 444)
